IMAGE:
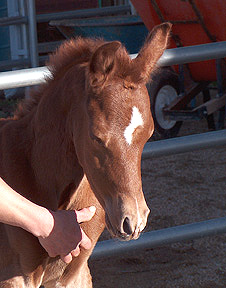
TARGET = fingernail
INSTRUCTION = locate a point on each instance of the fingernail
(92, 209)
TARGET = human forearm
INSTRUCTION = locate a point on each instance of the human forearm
(58, 231)
(18, 211)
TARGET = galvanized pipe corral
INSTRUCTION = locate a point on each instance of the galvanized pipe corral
(182, 55)
(161, 237)
(23, 77)
(189, 54)
(184, 144)
(32, 31)
(85, 13)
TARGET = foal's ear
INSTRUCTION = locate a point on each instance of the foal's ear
(152, 50)
(102, 63)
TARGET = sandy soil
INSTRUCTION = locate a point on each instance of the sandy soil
(179, 189)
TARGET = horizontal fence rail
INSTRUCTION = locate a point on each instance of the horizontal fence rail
(23, 77)
(161, 237)
(102, 11)
(182, 55)
(184, 144)
(195, 53)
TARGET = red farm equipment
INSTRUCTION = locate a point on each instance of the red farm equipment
(194, 22)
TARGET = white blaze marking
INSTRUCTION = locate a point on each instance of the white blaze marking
(136, 121)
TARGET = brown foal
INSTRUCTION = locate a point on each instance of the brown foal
(78, 142)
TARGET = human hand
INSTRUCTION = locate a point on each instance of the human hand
(66, 236)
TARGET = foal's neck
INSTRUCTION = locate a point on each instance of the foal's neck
(54, 149)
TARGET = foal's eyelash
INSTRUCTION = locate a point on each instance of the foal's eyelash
(98, 140)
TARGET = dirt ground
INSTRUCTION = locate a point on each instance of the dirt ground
(179, 189)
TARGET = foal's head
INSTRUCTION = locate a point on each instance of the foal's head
(117, 124)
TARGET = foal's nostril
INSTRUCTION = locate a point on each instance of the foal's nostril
(127, 226)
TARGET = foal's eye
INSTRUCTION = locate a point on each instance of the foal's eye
(98, 140)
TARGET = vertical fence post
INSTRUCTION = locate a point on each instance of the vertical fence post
(32, 28)
(221, 116)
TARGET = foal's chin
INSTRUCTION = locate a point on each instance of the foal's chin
(117, 234)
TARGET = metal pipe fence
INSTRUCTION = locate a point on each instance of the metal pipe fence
(182, 55)
(103, 11)
(184, 144)
(29, 77)
(23, 77)
(161, 237)
(32, 31)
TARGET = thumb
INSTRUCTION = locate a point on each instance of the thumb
(86, 214)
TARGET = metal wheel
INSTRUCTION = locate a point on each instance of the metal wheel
(163, 89)
(164, 97)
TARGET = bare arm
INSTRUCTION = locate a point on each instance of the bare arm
(18, 211)
(58, 232)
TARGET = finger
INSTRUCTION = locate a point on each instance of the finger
(75, 252)
(85, 242)
(85, 214)
(67, 259)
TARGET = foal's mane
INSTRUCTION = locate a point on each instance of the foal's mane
(71, 52)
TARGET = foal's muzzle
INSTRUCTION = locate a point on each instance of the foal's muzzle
(130, 226)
